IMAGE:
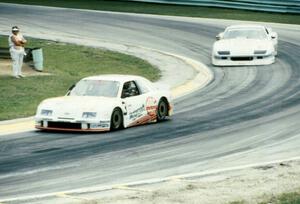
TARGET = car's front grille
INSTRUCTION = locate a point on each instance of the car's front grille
(241, 58)
(64, 125)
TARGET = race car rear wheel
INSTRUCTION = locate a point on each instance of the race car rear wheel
(162, 110)
(116, 119)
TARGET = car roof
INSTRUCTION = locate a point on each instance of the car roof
(115, 77)
(245, 26)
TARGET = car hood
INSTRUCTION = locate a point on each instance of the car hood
(74, 106)
(242, 46)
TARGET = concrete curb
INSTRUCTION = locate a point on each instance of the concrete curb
(18, 120)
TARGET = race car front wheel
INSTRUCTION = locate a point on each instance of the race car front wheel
(116, 119)
(162, 110)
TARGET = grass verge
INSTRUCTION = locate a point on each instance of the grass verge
(166, 9)
(285, 198)
(68, 63)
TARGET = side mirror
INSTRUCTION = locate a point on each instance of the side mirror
(273, 35)
(219, 36)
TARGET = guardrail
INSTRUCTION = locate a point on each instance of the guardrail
(5, 54)
(279, 6)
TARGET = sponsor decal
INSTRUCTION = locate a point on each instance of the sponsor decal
(151, 109)
(137, 113)
(104, 123)
(151, 106)
(145, 119)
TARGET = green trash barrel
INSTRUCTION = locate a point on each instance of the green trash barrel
(37, 56)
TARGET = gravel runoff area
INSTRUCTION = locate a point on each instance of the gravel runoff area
(249, 185)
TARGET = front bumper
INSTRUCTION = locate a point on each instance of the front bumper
(78, 126)
(242, 60)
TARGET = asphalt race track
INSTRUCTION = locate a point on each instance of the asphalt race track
(246, 115)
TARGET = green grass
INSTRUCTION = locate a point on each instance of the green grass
(165, 9)
(68, 63)
(237, 202)
(285, 198)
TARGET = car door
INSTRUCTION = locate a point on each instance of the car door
(134, 102)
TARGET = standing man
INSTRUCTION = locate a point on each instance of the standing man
(16, 43)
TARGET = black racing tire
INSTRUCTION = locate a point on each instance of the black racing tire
(162, 109)
(116, 121)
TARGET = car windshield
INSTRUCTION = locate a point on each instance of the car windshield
(253, 33)
(96, 88)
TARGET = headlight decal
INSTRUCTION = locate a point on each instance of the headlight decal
(223, 52)
(260, 52)
(89, 114)
(46, 112)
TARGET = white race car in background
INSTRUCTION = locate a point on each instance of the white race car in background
(105, 102)
(245, 45)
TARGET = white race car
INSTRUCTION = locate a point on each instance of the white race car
(105, 102)
(245, 45)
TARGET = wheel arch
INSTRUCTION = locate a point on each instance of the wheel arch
(167, 101)
(122, 114)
